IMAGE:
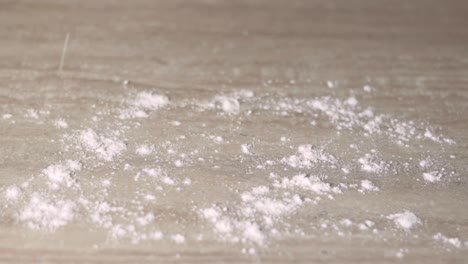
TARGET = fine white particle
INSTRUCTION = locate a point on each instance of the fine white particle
(61, 174)
(352, 101)
(369, 164)
(367, 185)
(178, 163)
(178, 238)
(332, 84)
(187, 181)
(218, 139)
(229, 105)
(433, 176)
(156, 235)
(31, 113)
(150, 101)
(405, 220)
(146, 219)
(247, 149)
(252, 233)
(143, 103)
(12, 193)
(368, 88)
(144, 150)
(346, 222)
(159, 174)
(60, 123)
(454, 242)
(150, 197)
(425, 163)
(42, 213)
(106, 148)
(307, 156)
(306, 182)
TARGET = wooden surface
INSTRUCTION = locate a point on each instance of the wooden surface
(415, 53)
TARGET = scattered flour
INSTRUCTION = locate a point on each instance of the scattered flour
(259, 212)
